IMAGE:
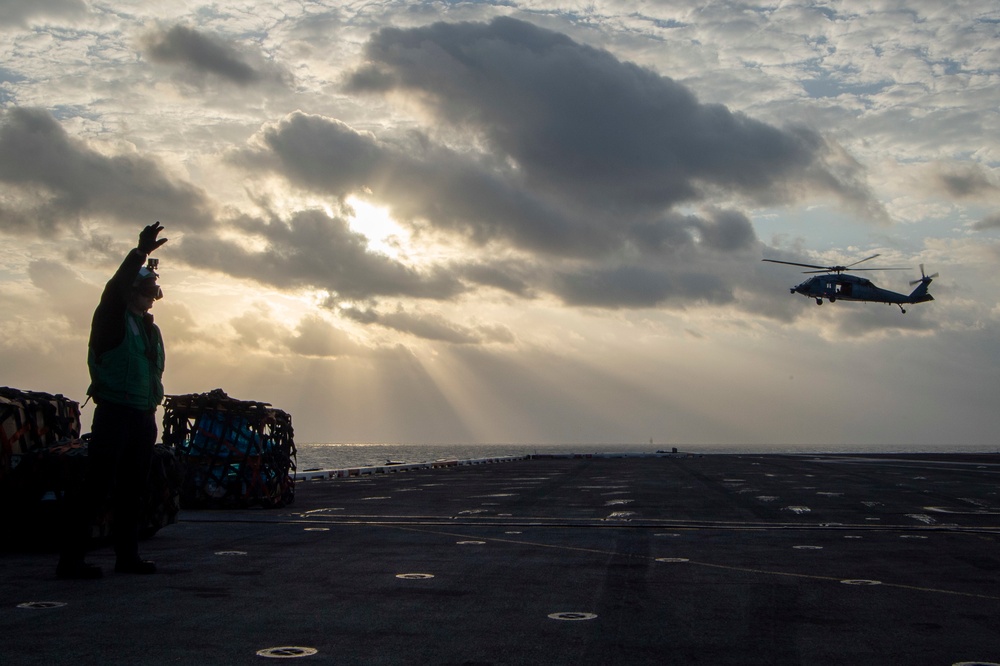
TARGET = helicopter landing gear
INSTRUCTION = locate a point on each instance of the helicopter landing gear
(819, 301)
(901, 309)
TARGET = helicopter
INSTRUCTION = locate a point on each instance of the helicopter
(835, 285)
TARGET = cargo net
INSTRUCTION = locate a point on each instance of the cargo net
(234, 453)
(30, 421)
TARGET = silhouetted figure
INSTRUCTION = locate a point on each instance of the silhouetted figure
(125, 358)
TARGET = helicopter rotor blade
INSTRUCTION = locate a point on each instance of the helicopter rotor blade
(863, 260)
(792, 263)
(892, 268)
(837, 269)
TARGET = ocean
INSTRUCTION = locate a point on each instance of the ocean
(316, 456)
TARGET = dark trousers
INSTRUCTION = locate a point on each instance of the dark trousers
(118, 462)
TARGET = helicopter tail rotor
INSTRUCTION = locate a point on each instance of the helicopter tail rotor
(926, 279)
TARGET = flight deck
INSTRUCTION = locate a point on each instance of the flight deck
(714, 559)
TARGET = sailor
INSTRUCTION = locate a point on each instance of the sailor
(126, 361)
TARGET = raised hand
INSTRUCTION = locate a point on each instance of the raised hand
(147, 238)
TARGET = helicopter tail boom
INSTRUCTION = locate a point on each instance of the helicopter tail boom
(920, 295)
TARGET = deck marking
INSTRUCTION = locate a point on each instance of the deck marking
(41, 605)
(922, 517)
(709, 565)
(288, 652)
(572, 616)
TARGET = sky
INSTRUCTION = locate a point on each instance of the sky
(519, 221)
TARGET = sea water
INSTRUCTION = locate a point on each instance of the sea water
(315, 456)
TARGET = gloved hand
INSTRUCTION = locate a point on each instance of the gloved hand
(147, 238)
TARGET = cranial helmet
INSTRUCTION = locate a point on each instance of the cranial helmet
(145, 283)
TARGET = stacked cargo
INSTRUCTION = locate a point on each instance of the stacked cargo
(43, 457)
(235, 453)
(31, 421)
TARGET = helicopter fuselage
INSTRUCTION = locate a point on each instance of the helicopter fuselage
(834, 287)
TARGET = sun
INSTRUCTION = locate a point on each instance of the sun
(384, 234)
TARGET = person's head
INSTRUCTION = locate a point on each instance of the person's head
(144, 291)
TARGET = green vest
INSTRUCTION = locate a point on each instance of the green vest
(127, 375)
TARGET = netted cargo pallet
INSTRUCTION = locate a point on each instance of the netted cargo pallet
(31, 420)
(44, 461)
(48, 477)
(234, 453)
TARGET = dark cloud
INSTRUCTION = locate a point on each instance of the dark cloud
(573, 157)
(513, 277)
(968, 182)
(988, 222)
(419, 181)
(203, 54)
(465, 195)
(56, 181)
(632, 286)
(20, 12)
(582, 125)
(726, 230)
(315, 250)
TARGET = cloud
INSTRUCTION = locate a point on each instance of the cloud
(966, 181)
(578, 163)
(871, 320)
(203, 55)
(20, 12)
(516, 278)
(258, 329)
(419, 181)
(988, 222)
(582, 125)
(313, 249)
(65, 292)
(474, 203)
(314, 336)
(55, 181)
(432, 327)
(632, 286)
